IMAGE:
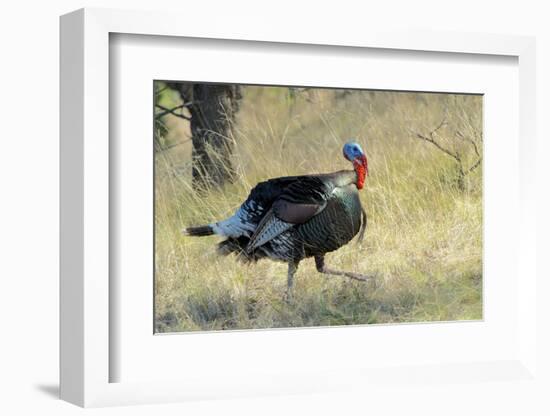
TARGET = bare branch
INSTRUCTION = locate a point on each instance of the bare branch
(475, 165)
(474, 145)
(172, 111)
(443, 123)
(161, 90)
(436, 144)
(469, 140)
(472, 134)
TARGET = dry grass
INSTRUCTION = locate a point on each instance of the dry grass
(423, 240)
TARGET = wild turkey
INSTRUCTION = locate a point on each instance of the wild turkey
(295, 217)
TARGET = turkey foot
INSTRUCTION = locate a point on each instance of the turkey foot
(322, 268)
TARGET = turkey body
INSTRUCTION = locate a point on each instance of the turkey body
(336, 225)
(292, 218)
(295, 217)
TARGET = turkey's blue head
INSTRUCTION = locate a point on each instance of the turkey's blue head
(354, 153)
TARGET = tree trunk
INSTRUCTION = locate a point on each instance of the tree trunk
(212, 111)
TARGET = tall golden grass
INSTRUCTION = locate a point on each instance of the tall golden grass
(424, 235)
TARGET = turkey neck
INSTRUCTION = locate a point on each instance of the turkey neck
(361, 168)
(345, 178)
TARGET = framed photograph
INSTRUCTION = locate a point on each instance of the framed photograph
(281, 213)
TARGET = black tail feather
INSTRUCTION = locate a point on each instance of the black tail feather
(238, 246)
(200, 231)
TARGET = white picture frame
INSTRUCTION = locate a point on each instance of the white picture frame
(86, 356)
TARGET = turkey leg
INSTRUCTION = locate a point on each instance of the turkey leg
(292, 267)
(322, 268)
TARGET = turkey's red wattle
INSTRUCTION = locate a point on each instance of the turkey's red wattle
(362, 169)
